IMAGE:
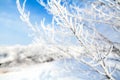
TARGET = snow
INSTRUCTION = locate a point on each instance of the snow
(68, 69)
(65, 68)
(57, 70)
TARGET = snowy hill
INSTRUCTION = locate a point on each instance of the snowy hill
(38, 62)
(51, 71)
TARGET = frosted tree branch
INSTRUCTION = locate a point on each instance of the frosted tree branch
(69, 20)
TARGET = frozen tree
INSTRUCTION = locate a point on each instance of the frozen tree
(77, 20)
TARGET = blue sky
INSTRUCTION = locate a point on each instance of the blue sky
(12, 29)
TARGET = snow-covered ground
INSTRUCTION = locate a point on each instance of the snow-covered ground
(68, 69)
(36, 52)
(19, 65)
(56, 70)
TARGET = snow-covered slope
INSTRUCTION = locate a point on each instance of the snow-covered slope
(57, 70)
(67, 69)
(38, 62)
(15, 55)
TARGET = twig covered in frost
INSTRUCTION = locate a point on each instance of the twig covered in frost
(81, 24)
(97, 47)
